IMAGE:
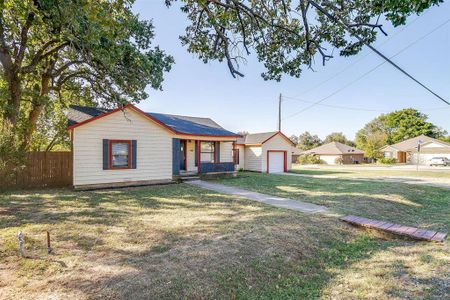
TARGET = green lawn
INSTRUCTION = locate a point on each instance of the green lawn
(177, 241)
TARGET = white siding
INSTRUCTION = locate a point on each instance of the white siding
(253, 158)
(278, 142)
(241, 164)
(154, 149)
(226, 152)
(329, 159)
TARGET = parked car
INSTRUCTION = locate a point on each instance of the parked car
(439, 161)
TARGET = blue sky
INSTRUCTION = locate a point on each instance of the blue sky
(251, 104)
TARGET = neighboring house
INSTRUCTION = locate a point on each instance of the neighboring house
(406, 151)
(295, 154)
(269, 152)
(333, 152)
(127, 146)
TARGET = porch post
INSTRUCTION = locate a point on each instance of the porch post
(198, 157)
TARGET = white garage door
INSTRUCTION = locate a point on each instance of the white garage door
(276, 162)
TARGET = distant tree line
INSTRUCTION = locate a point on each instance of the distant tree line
(386, 129)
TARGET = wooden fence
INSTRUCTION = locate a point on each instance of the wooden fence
(42, 169)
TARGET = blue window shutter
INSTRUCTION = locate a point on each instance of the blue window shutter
(217, 147)
(133, 154)
(175, 156)
(105, 155)
(196, 153)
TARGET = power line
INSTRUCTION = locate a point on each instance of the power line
(360, 58)
(370, 71)
(356, 108)
(338, 20)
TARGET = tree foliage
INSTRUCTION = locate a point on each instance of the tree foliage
(286, 35)
(49, 49)
(294, 139)
(392, 128)
(338, 137)
(307, 141)
(408, 123)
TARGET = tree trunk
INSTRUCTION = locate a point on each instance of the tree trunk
(14, 86)
(37, 108)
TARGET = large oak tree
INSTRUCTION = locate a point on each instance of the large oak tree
(48, 48)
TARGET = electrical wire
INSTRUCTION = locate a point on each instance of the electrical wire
(356, 108)
(369, 71)
(338, 19)
(359, 59)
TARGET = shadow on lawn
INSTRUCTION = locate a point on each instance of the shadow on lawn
(422, 206)
(212, 246)
(276, 257)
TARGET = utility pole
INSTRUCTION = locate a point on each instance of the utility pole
(279, 112)
(418, 154)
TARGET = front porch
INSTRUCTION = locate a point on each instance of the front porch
(194, 157)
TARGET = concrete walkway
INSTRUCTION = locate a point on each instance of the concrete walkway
(271, 200)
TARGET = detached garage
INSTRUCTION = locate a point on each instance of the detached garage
(269, 152)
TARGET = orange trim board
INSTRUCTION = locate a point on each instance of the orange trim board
(131, 106)
(110, 166)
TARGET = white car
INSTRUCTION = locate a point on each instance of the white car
(439, 161)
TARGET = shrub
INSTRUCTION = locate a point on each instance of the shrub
(308, 159)
(339, 160)
(387, 160)
(12, 156)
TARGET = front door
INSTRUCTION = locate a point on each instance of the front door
(183, 145)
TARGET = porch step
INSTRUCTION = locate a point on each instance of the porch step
(189, 178)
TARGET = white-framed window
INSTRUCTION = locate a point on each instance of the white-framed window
(207, 152)
(120, 154)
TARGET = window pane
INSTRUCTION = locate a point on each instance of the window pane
(119, 154)
(207, 147)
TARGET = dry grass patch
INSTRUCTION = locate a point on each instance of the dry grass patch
(178, 241)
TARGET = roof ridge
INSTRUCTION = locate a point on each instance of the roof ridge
(173, 115)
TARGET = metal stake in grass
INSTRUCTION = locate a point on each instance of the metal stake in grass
(49, 248)
(21, 243)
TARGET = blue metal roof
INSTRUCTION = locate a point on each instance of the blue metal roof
(180, 124)
(192, 125)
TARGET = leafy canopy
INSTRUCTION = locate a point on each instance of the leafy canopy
(338, 137)
(73, 51)
(394, 127)
(307, 141)
(286, 35)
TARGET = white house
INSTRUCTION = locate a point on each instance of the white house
(127, 146)
(269, 152)
(407, 151)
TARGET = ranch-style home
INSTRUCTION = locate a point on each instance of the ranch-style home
(407, 151)
(335, 153)
(127, 146)
(269, 152)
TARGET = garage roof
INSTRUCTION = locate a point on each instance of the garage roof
(260, 138)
